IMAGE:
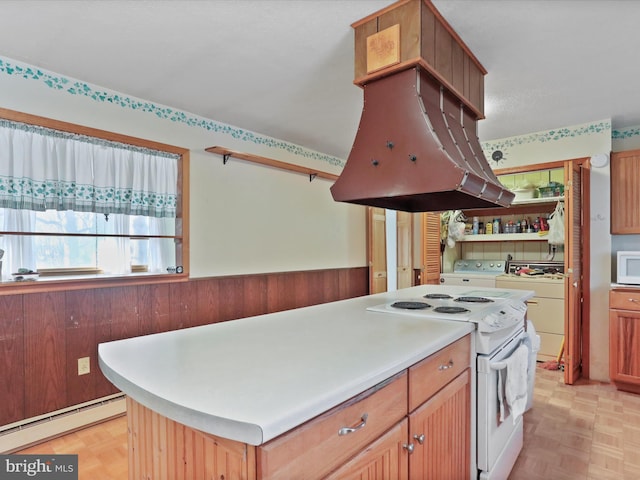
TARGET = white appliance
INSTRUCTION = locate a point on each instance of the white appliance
(500, 318)
(628, 268)
(474, 273)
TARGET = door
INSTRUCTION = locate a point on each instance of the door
(431, 253)
(575, 217)
(377, 250)
(404, 249)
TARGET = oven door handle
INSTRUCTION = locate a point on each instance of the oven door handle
(498, 365)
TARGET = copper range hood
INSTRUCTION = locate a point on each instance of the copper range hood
(416, 148)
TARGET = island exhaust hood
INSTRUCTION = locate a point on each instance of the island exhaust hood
(416, 148)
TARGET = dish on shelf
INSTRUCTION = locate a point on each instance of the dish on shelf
(524, 194)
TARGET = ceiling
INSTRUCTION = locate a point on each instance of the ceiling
(284, 68)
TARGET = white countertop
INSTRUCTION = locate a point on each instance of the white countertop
(624, 285)
(253, 379)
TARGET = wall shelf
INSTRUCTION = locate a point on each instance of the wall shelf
(538, 201)
(505, 237)
(312, 173)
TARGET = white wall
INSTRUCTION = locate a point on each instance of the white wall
(563, 144)
(245, 218)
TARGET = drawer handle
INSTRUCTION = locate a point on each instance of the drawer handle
(633, 300)
(348, 430)
(419, 438)
(447, 366)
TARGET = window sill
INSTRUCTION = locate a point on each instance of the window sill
(80, 282)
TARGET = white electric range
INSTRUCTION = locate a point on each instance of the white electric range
(498, 313)
(500, 316)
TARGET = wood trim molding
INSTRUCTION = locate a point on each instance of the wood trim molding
(312, 173)
(88, 131)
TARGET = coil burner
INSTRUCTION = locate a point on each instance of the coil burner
(450, 310)
(411, 305)
(437, 296)
(473, 299)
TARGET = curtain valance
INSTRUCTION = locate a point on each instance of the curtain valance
(42, 169)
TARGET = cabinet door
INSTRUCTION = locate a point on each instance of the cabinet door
(624, 346)
(625, 194)
(441, 432)
(385, 459)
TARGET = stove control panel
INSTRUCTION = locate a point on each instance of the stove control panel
(507, 315)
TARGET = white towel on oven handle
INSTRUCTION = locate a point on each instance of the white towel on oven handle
(515, 385)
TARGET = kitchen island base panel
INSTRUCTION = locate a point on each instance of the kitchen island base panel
(161, 449)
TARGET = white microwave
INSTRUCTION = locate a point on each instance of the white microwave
(629, 268)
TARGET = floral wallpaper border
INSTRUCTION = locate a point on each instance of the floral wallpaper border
(623, 133)
(75, 87)
(549, 136)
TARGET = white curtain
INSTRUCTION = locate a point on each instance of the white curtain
(114, 253)
(45, 169)
(19, 250)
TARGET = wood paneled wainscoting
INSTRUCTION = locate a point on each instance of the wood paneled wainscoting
(43, 334)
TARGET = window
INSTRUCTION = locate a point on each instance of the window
(82, 202)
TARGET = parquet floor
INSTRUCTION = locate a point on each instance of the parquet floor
(588, 431)
(584, 432)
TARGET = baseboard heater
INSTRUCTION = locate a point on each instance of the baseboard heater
(25, 433)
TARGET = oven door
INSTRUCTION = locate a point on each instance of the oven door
(499, 442)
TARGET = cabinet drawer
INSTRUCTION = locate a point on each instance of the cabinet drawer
(624, 300)
(434, 372)
(315, 448)
(547, 314)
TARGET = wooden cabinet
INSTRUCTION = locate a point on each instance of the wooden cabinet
(434, 372)
(161, 449)
(425, 39)
(440, 430)
(624, 339)
(328, 441)
(375, 435)
(385, 459)
(625, 194)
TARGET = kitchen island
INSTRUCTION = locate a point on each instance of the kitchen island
(261, 397)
